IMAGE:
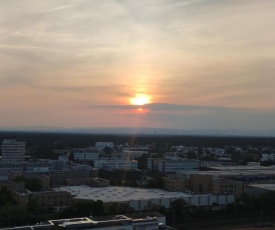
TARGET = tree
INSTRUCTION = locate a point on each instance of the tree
(107, 150)
(83, 208)
(155, 183)
(34, 207)
(119, 209)
(98, 208)
(12, 215)
(200, 152)
(71, 157)
(5, 197)
(32, 184)
(191, 155)
(142, 161)
(178, 206)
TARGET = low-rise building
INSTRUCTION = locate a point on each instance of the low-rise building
(203, 183)
(122, 164)
(56, 200)
(101, 145)
(258, 189)
(131, 154)
(94, 182)
(142, 221)
(120, 174)
(228, 186)
(177, 184)
(89, 154)
(8, 185)
(169, 166)
(144, 199)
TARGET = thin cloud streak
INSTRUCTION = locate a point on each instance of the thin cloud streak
(59, 8)
(173, 107)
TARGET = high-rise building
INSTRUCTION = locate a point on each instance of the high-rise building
(13, 151)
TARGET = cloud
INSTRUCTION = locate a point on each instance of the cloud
(166, 107)
(62, 7)
(183, 53)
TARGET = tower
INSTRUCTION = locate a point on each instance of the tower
(13, 152)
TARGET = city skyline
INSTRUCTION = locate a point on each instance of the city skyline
(189, 64)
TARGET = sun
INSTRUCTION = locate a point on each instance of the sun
(140, 99)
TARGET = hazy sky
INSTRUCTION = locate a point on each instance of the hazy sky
(204, 64)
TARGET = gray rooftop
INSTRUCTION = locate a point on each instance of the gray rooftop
(270, 187)
(118, 194)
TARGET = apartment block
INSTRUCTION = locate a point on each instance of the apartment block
(13, 151)
(56, 200)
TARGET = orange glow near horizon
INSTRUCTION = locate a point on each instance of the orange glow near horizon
(140, 99)
(141, 110)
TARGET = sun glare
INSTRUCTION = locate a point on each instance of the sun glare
(140, 100)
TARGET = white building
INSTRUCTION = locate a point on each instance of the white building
(217, 152)
(268, 157)
(131, 155)
(4, 177)
(86, 154)
(141, 221)
(116, 164)
(143, 199)
(13, 151)
(101, 145)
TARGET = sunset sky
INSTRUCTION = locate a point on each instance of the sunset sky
(195, 64)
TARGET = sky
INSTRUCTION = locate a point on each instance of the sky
(195, 64)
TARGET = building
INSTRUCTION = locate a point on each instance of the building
(86, 154)
(35, 167)
(245, 174)
(44, 180)
(101, 145)
(122, 175)
(93, 182)
(258, 189)
(116, 164)
(145, 199)
(51, 174)
(169, 166)
(55, 200)
(228, 186)
(131, 154)
(142, 221)
(177, 184)
(13, 151)
(59, 177)
(203, 183)
(268, 157)
(7, 185)
(217, 152)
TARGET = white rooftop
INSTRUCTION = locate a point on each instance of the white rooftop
(264, 186)
(116, 194)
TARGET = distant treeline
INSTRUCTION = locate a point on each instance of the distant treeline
(84, 140)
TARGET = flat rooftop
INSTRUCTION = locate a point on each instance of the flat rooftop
(234, 171)
(119, 221)
(270, 187)
(119, 194)
(240, 167)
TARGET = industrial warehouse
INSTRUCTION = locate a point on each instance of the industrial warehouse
(144, 199)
